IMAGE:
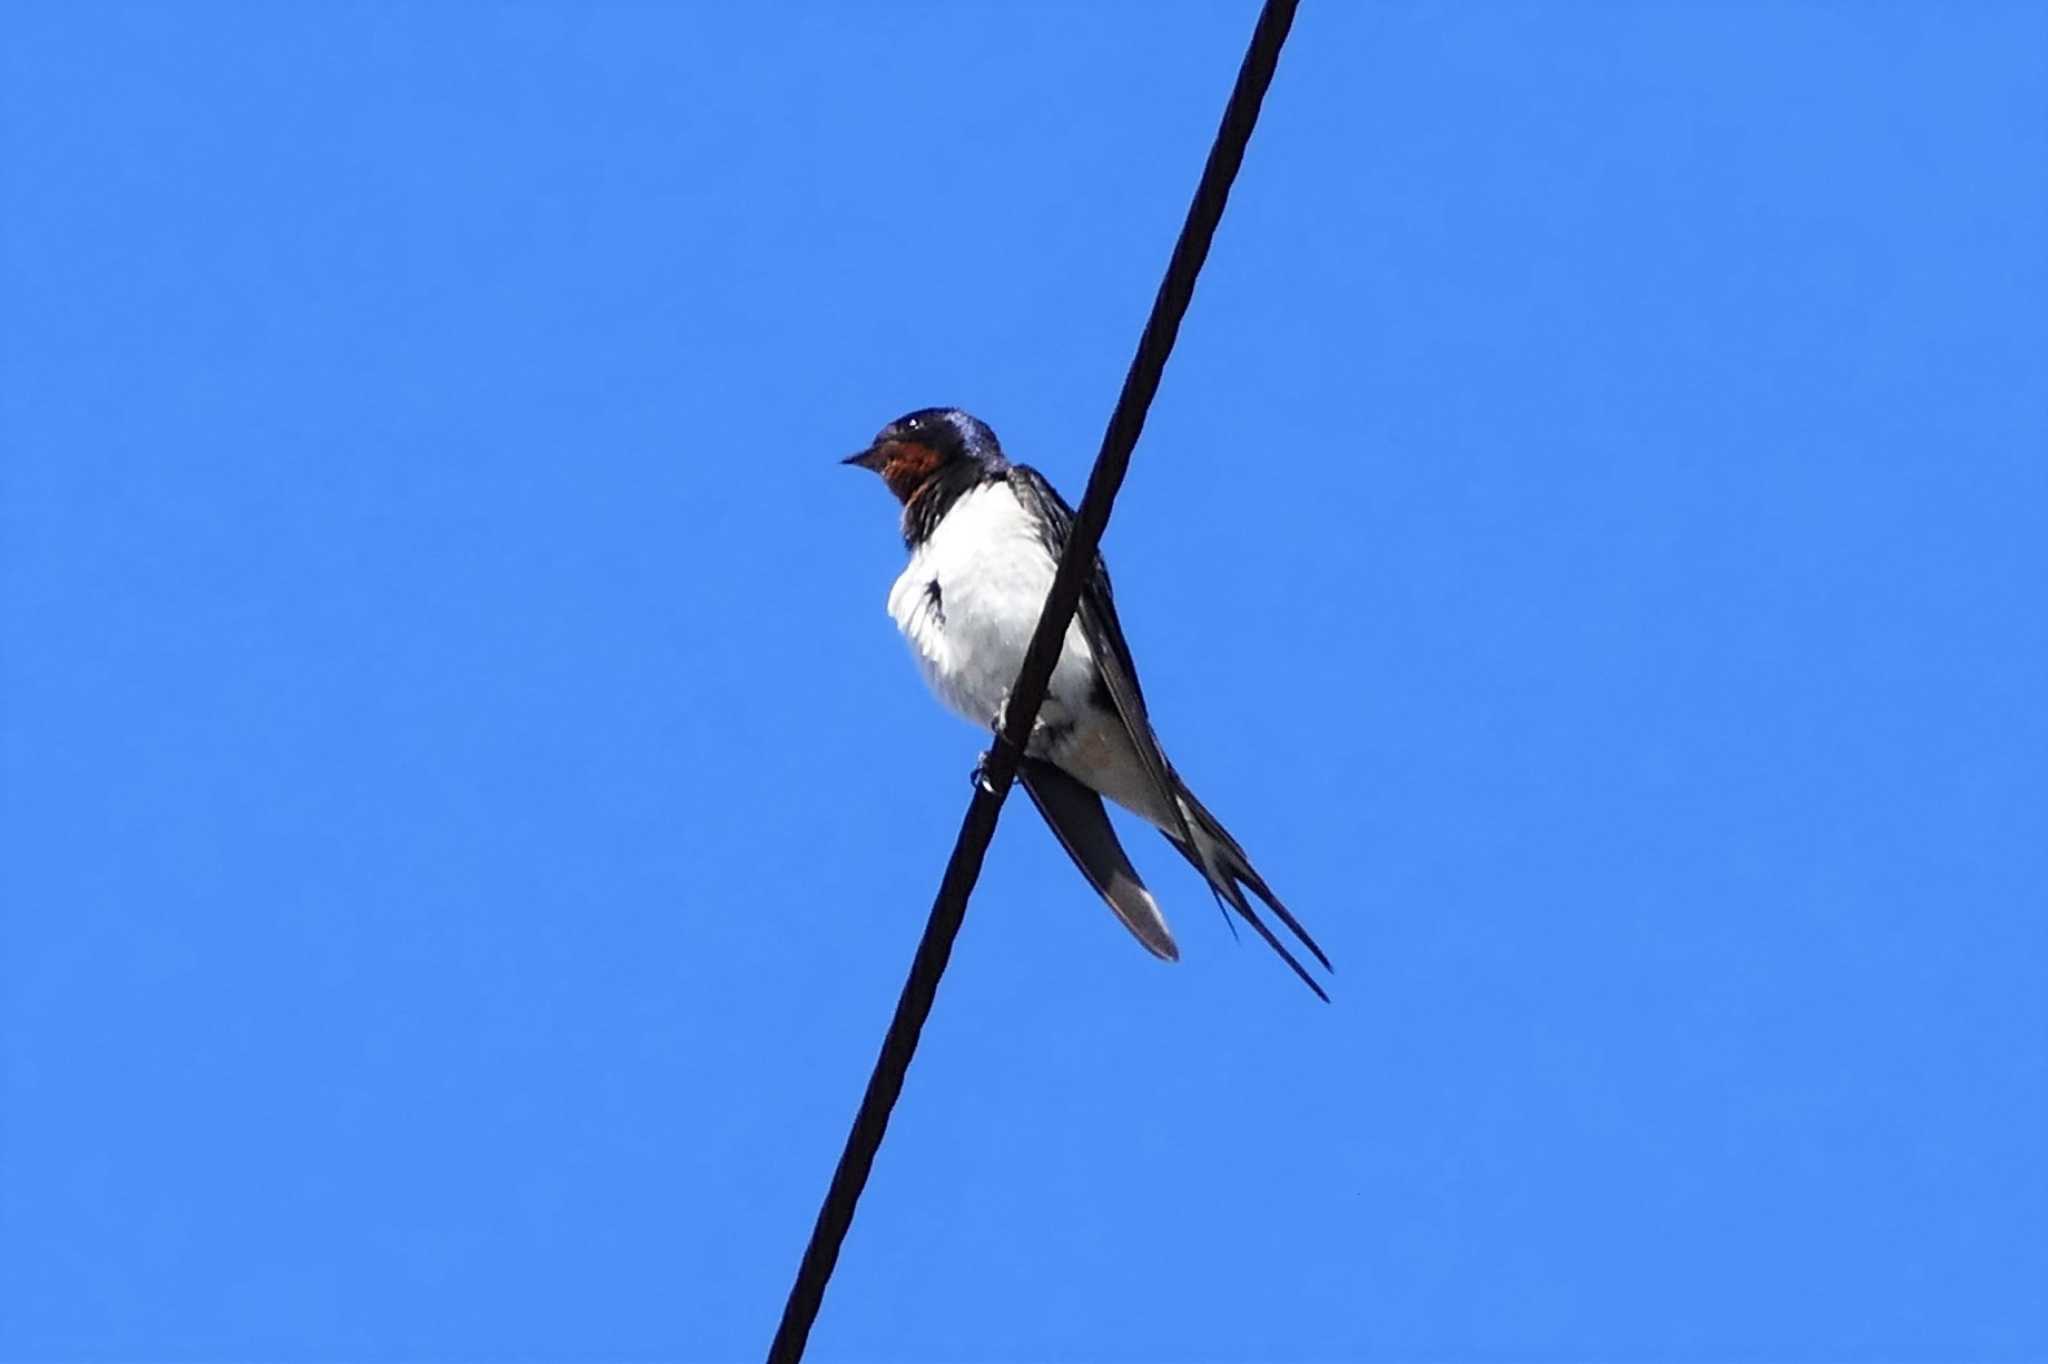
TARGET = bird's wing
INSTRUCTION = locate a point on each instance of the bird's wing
(1082, 826)
(1195, 832)
(1105, 638)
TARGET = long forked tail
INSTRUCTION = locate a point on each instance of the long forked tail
(1223, 864)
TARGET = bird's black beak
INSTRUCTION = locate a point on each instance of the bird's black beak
(870, 458)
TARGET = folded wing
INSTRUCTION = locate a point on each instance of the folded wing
(1078, 819)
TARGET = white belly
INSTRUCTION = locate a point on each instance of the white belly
(992, 574)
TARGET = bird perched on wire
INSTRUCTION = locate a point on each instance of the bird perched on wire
(985, 537)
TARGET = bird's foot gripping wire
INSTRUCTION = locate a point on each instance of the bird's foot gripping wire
(997, 741)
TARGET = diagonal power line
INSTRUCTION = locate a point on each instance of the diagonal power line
(1226, 154)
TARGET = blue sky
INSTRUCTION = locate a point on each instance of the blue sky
(467, 815)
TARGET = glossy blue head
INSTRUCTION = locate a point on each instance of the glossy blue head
(911, 450)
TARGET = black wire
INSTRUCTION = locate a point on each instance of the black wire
(1226, 154)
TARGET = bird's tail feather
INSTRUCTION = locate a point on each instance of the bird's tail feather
(1224, 865)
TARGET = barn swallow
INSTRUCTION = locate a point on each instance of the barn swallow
(985, 536)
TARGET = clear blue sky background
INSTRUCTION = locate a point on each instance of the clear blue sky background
(467, 814)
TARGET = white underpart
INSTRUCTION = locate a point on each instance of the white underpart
(993, 573)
